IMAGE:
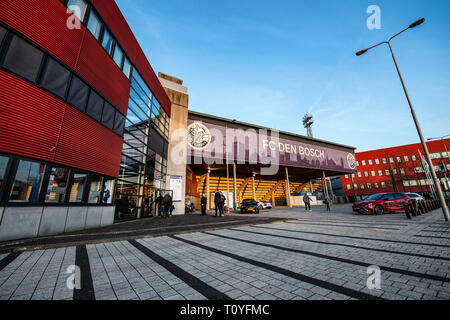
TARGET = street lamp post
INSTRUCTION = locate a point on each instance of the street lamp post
(413, 113)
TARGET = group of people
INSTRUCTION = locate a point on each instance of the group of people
(219, 202)
(165, 205)
(307, 202)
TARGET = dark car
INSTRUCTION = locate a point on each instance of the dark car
(249, 206)
(382, 202)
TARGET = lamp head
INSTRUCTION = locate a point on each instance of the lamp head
(418, 22)
(361, 52)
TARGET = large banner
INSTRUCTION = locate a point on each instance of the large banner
(218, 144)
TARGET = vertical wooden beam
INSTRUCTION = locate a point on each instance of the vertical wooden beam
(208, 201)
(234, 186)
(288, 190)
(253, 187)
(273, 199)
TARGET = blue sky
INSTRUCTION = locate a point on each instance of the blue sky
(270, 62)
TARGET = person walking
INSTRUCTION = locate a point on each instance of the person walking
(203, 203)
(217, 200)
(328, 203)
(307, 202)
(167, 205)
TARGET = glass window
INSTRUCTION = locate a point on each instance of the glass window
(78, 185)
(391, 160)
(23, 59)
(57, 185)
(127, 67)
(94, 25)
(3, 164)
(55, 78)
(376, 185)
(27, 182)
(363, 162)
(406, 158)
(2, 34)
(95, 106)
(108, 115)
(369, 186)
(119, 122)
(373, 173)
(107, 42)
(348, 187)
(380, 173)
(78, 7)
(402, 171)
(399, 159)
(118, 55)
(394, 171)
(96, 190)
(413, 157)
(359, 174)
(384, 160)
(366, 174)
(78, 94)
(388, 172)
(383, 184)
(377, 161)
(362, 186)
(370, 162)
(107, 191)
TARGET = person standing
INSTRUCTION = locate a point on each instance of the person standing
(203, 203)
(222, 203)
(328, 203)
(217, 201)
(158, 204)
(307, 201)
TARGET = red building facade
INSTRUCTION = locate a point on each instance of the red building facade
(74, 88)
(396, 169)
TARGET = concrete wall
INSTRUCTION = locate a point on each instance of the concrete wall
(30, 222)
(176, 163)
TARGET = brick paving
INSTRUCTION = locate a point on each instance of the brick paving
(306, 256)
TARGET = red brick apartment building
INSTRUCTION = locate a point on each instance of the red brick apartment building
(396, 169)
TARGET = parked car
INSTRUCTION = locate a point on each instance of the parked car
(382, 203)
(264, 205)
(249, 206)
(415, 196)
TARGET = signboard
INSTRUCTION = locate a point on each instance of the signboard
(210, 141)
(176, 185)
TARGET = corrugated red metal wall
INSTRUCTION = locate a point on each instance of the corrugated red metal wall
(119, 26)
(32, 121)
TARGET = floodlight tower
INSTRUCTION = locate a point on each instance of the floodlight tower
(307, 123)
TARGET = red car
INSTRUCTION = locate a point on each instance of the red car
(382, 202)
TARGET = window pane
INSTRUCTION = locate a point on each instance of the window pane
(108, 115)
(57, 185)
(127, 68)
(3, 164)
(55, 78)
(23, 59)
(28, 182)
(2, 34)
(107, 193)
(119, 121)
(78, 7)
(94, 25)
(78, 94)
(107, 41)
(95, 190)
(95, 106)
(78, 185)
(118, 55)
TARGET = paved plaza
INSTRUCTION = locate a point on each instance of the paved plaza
(308, 255)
